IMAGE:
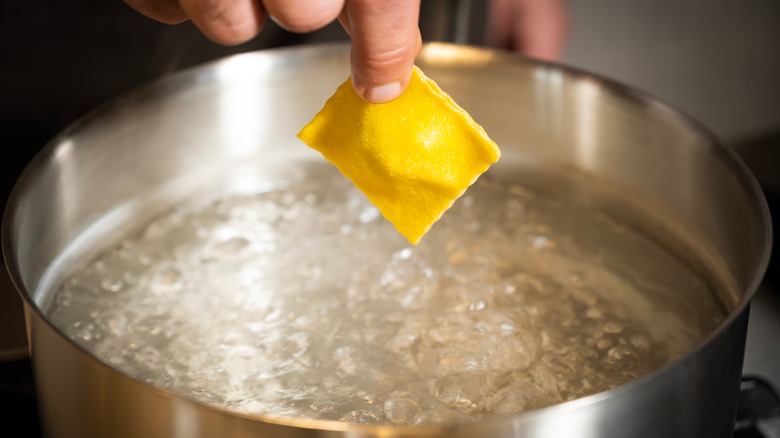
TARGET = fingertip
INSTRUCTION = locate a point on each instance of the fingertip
(382, 93)
(238, 32)
(378, 91)
(302, 16)
(227, 24)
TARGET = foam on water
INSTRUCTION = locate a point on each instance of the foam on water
(305, 302)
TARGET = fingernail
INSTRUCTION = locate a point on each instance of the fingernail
(383, 93)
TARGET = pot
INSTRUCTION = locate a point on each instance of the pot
(137, 154)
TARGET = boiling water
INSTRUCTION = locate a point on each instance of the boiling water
(305, 302)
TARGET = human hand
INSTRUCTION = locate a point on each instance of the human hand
(536, 28)
(385, 36)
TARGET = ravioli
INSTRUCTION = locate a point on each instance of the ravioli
(411, 157)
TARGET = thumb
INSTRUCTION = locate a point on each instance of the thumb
(385, 39)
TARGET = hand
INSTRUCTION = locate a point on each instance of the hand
(536, 28)
(384, 33)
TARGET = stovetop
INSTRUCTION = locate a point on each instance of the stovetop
(759, 410)
(19, 416)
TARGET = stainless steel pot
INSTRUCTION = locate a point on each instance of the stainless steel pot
(145, 149)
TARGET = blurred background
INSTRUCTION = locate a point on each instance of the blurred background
(716, 60)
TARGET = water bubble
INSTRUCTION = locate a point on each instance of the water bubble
(544, 380)
(403, 339)
(508, 400)
(603, 343)
(403, 254)
(613, 327)
(145, 259)
(508, 329)
(441, 415)
(116, 324)
(462, 390)
(168, 280)
(86, 332)
(641, 342)
(584, 296)
(576, 281)
(363, 416)
(112, 284)
(401, 408)
(64, 298)
(514, 209)
(594, 313)
(617, 353)
(542, 242)
(477, 306)
(369, 214)
(345, 356)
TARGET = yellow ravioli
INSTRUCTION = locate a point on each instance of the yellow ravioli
(412, 157)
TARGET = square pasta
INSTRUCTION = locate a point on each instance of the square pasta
(412, 157)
